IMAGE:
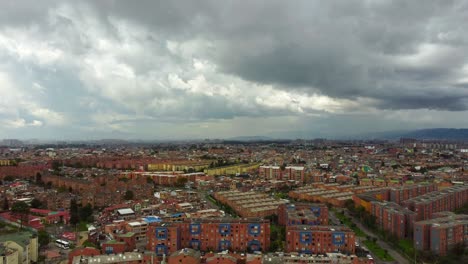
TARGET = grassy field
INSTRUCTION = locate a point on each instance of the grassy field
(406, 246)
(378, 251)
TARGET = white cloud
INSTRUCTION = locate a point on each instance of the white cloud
(120, 73)
(17, 102)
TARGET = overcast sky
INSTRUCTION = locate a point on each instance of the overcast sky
(218, 69)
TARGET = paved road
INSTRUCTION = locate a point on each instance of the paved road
(395, 255)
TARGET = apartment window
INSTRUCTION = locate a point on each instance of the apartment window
(195, 229)
(109, 250)
(161, 233)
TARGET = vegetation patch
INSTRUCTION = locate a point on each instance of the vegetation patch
(379, 252)
(347, 221)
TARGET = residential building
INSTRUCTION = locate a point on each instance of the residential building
(303, 214)
(441, 234)
(241, 234)
(20, 247)
(319, 239)
(393, 218)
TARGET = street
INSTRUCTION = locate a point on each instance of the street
(395, 255)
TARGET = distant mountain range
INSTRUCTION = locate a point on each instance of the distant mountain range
(460, 134)
(250, 138)
(454, 134)
(433, 133)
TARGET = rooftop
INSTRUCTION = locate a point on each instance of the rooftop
(21, 238)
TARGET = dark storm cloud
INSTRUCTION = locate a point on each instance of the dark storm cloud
(344, 49)
(117, 66)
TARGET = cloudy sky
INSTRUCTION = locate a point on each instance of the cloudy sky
(218, 69)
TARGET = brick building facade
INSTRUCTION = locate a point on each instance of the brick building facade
(210, 235)
(319, 239)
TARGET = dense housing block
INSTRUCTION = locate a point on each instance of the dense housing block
(244, 234)
(441, 234)
(319, 239)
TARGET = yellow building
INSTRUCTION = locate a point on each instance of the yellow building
(19, 248)
(5, 162)
(8, 255)
(232, 169)
(179, 166)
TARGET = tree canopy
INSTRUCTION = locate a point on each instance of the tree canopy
(20, 210)
(129, 195)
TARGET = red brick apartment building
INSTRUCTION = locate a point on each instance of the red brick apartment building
(23, 171)
(295, 173)
(393, 218)
(122, 243)
(440, 234)
(114, 163)
(398, 195)
(448, 199)
(166, 178)
(303, 214)
(77, 185)
(319, 239)
(209, 235)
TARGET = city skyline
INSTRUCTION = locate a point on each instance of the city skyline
(210, 69)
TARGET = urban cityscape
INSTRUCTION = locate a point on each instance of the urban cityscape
(233, 132)
(215, 201)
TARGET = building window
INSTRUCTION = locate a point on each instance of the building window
(161, 233)
(161, 250)
(109, 250)
(224, 229)
(224, 245)
(195, 229)
(305, 237)
(254, 229)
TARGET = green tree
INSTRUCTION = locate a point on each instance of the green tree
(128, 195)
(43, 238)
(9, 178)
(21, 211)
(349, 204)
(39, 179)
(74, 215)
(36, 203)
(283, 167)
(86, 213)
(56, 165)
(273, 219)
(149, 179)
(88, 243)
(6, 204)
(181, 181)
(274, 235)
(274, 245)
(458, 249)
